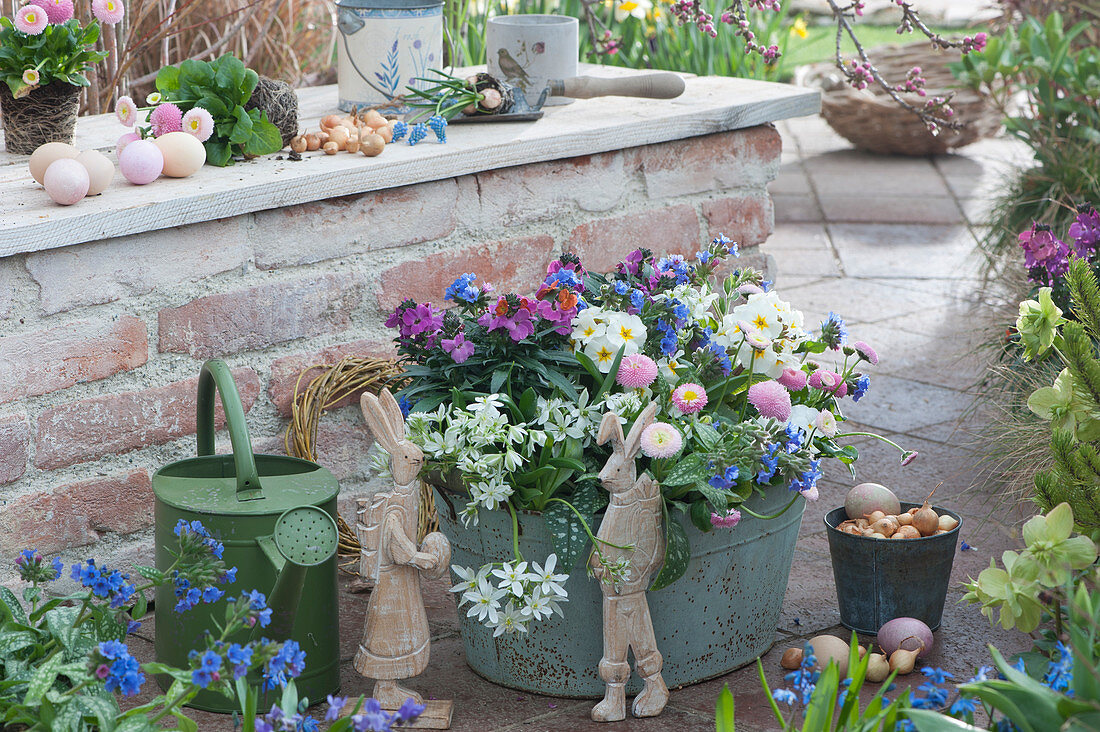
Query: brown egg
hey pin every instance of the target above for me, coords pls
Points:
(46, 154)
(183, 154)
(100, 170)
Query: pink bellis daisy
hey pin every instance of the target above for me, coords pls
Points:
(636, 371)
(829, 381)
(865, 352)
(771, 399)
(793, 379)
(31, 77)
(689, 398)
(731, 519)
(58, 11)
(31, 19)
(126, 111)
(661, 440)
(166, 118)
(108, 11)
(811, 493)
(198, 123)
(826, 422)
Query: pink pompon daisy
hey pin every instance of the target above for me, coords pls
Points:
(689, 398)
(31, 19)
(661, 440)
(636, 371)
(865, 352)
(58, 11)
(199, 123)
(166, 118)
(829, 381)
(731, 519)
(793, 379)
(771, 399)
(126, 111)
(108, 11)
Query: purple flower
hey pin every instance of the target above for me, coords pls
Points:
(539, 47)
(1044, 252)
(423, 318)
(1085, 232)
(518, 326)
(459, 348)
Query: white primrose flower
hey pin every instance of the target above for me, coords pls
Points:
(509, 621)
(602, 353)
(512, 577)
(590, 323)
(547, 581)
(671, 366)
(626, 329)
(485, 600)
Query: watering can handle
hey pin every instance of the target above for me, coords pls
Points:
(215, 373)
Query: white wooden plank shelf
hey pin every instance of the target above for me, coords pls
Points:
(29, 221)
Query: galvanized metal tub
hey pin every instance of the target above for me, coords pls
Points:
(878, 580)
(720, 615)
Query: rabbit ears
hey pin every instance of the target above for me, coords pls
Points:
(383, 415)
(610, 429)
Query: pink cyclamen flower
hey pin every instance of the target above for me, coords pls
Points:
(865, 352)
(661, 440)
(126, 111)
(731, 519)
(689, 398)
(771, 399)
(108, 11)
(829, 381)
(459, 348)
(31, 19)
(198, 123)
(166, 118)
(58, 11)
(636, 371)
(793, 379)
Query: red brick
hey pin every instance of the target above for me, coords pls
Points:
(117, 423)
(342, 446)
(747, 219)
(602, 244)
(78, 513)
(258, 317)
(48, 360)
(518, 265)
(286, 370)
(747, 158)
(14, 431)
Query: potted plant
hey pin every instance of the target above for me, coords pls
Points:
(44, 55)
(505, 399)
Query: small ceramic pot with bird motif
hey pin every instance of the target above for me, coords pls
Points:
(529, 50)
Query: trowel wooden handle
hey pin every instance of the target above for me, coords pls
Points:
(652, 86)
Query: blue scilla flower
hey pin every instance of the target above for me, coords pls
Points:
(288, 663)
(794, 438)
(418, 132)
(400, 129)
(964, 705)
(770, 463)
(405, 405)
(862, 384)
(784, 696)
(565, 277)
(937, 675)
(438, 123)
(621, 287)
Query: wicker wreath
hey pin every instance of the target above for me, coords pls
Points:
(332, 385)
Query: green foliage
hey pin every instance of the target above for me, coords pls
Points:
(222, 87)
(723, 711)
(63, 52)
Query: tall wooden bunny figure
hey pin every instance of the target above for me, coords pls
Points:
(633, 517)
(395, 641)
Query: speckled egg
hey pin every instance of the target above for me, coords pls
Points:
(66, 181)
(141, 162)
(183, 154)
(100, 170)
(124, 141)
(46, 154)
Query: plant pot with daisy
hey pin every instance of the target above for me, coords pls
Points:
(44, 55)
(505, 397)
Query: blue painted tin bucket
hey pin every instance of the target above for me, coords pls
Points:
(719, 616)
(878, 580)
(383, 46)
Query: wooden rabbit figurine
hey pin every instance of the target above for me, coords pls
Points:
(395, 637)
(633, 517)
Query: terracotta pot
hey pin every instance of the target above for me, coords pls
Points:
(47, 114)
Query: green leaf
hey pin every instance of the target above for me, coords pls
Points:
(700, 516)
(707, 435)
(42, 680)
(723, 712)
(499, 377)
(218, 153)
(60, 623)
(677, 554)
(186, 724)
(566, 532)
(265, 137)
(13, 607)
(689, 470)
(10, 642)
(141, 606)
(102, 707)
(150, 573)
(168, 79)
(242, 128)
(928, 721)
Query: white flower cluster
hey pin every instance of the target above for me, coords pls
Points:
(601, 333)
(509, 596)
(775, 331)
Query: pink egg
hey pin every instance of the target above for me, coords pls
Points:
(66, 181)
(141, 162)
(124, 141)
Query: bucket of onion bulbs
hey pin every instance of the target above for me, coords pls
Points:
(891, 558)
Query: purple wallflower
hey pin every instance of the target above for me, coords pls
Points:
(1044, 251)
(421, 319)
(518, 325)
(459, 348)
(1085, 232)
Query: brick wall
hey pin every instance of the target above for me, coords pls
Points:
(101, 343)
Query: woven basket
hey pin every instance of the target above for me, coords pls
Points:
(871, 120)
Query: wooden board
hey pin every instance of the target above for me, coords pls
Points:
(29, 221)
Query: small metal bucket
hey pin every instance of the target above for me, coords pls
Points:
(384, 45)
(878, 580)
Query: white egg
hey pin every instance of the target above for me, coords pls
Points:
(100, 170)
(46, 154)
(66, 181)
(183, 154)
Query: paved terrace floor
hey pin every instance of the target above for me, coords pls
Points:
(888, 244)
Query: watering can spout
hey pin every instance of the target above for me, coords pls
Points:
(304, 537)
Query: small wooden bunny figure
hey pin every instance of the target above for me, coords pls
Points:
(395, 641)
(633, 517)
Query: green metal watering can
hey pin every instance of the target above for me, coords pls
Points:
(276, 516)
